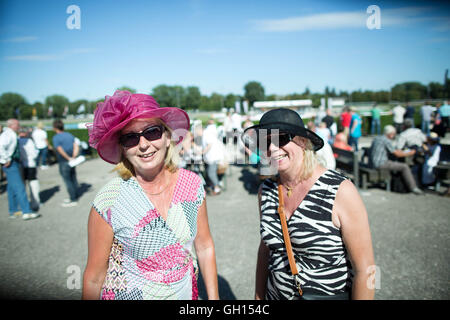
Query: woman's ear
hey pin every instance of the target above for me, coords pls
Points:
(168, 138)
(300, 141)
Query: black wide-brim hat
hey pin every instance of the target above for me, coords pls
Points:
(283, 120)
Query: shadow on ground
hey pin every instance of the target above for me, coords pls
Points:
(250, 180)
(225, 292)
(46, 194)
(83, 188)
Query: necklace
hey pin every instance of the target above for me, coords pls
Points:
(158, 193)
(161, 191)
(289, 190)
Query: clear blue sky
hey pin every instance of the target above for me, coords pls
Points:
(218, 46)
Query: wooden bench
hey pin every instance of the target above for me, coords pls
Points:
(347, 162)
(372, 175)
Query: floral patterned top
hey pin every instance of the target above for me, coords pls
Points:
(151, 258)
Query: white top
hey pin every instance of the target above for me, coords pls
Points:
(398, 113)
(40, 138)
(427, 169)
(214, 154)
(28, 152)
(326, 157)
(324, 133)
(411, 137)
(8, 142)
(227, 124)
(236, 121)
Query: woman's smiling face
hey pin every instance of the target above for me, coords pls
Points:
(147, 156)
(288, 157)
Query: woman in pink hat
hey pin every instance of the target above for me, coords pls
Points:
(148, 227)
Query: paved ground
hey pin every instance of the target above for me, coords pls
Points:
(45, 258)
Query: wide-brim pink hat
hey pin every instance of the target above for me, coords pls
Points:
(112, 115)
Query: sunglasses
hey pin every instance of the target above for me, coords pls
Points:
(132, 139)
(278, 140)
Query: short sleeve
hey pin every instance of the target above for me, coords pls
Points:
(201, 191)
(106, 198)
(55, 141)
(390, 147)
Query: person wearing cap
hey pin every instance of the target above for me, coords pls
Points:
(147, 227)
(327, 221)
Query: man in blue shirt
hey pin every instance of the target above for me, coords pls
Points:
(444, 110)
(426, 111)
(66, 149)
(355, 129)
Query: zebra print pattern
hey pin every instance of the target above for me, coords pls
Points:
(320, 254)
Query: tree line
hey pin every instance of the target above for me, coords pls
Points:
(14, 105)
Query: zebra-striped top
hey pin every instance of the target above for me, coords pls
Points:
(322, 260)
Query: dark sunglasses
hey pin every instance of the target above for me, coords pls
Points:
(278, 140)
(132, 139)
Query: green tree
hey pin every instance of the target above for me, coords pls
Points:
(58, 102)
(254, 91)
(179, 96)
(217, 101)
(40, 109)
(193, 98)
(205, 104)
(408, 91)
(230, 100)
(170, 96)
(73, 106)
(125, 88)
(436, 90)
(162, 95)
(12, 105)
(306, 93)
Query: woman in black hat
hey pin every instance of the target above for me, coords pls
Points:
(326, 219)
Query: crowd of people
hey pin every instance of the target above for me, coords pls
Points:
(399, 140)
(24, 153)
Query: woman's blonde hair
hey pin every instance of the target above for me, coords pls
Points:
(309, 159)
(126, 170)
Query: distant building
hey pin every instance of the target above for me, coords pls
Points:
(303, 107)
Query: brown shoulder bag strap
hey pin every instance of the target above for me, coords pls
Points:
(287, 239)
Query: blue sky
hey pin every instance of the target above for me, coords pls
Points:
(218, 46)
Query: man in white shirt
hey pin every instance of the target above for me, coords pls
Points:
(212, 154)
(228, 128)
(236, 124)
(398, 112)
(410, 138)
(40, 139)
(10, 160)
(426, 111)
